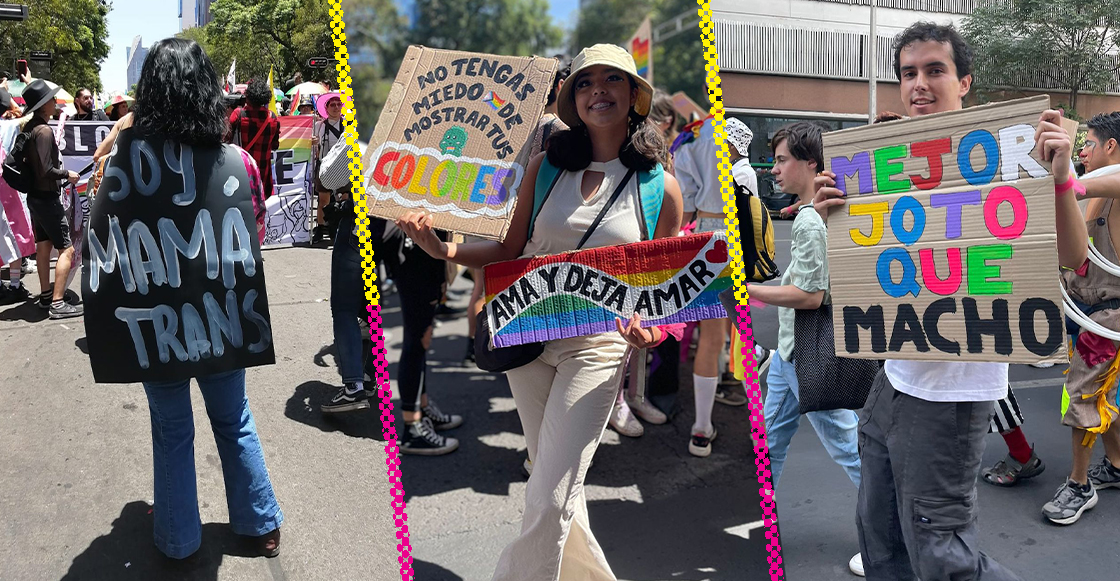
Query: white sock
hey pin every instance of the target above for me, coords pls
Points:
(358, 386)
(704, 392)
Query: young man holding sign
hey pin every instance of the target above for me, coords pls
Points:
(922, 430)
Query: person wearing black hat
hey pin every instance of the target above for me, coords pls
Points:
(48, 218)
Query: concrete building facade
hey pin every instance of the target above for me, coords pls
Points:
(134, 55)
(193, 13)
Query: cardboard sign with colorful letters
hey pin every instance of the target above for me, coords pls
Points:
(671, 280)
(454, 137)
(946, 247)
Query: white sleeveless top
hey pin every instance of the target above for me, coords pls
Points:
(565, 216)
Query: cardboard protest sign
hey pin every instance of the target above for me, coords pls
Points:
(454, 138)
(687, 108)
(671, 280)
(288, 211)
(946, 248)
(172, 281)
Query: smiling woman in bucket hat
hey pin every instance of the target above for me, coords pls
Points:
(602, 174)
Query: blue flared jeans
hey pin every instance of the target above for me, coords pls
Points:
(253, 510)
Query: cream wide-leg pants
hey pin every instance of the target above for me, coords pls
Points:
(564, 399)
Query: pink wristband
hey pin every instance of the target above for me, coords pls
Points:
(1070, 184)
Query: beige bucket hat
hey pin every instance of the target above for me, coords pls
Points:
(612, 56)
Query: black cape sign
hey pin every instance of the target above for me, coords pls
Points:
(172, 276)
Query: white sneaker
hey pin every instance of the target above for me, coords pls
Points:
(646, 410)
(700, 444)
(1042, 365)
(762, 358)
(856, 565)
(624, 422)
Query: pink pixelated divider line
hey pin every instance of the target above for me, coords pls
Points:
(761, 450)
(389, 430)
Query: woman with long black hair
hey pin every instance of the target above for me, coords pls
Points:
(179, 99)
(608, 166)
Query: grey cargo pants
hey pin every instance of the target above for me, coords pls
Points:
(916, 512)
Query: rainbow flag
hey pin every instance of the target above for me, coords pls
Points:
(495, 101)
(640, 49)
(639, 46)
(295, 134)
(672, 280)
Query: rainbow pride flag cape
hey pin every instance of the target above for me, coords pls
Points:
(671, 280)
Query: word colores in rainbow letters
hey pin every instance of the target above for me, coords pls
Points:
(474, 80)
(459, 179)
(971, 282)
(154, 266)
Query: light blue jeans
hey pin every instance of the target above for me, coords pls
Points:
(253, 510)
(837, 429)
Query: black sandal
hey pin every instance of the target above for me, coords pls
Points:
(1009, 471)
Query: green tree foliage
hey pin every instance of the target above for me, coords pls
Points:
(678, 62)
(253, 58)
(375, 43)
(280, 33)
(1066, 42)
(74, 31)
(507, 27)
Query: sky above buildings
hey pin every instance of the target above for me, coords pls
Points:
(158, 19)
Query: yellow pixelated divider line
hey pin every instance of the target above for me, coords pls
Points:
(758, 425)
(358, 193)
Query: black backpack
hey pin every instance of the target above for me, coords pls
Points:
(17, 172)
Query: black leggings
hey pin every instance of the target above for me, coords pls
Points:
(420, 284)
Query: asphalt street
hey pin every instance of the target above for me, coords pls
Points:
(76, 457)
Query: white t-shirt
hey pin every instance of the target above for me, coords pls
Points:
(948, 381)
(745, 176)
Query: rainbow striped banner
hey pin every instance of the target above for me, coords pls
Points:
(671, 280)
(295, 134)
(639, 46)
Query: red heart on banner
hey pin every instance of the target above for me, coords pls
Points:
(718, 254)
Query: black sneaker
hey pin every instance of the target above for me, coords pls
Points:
(346, 400)
(440, 420)
(1104, 475)
(469, 357)
(421, 438)
(1069, 502)
(11, 296)
(66, 311)
(444, 311)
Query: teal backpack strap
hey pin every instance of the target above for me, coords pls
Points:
(547, 175)
(651, 190)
